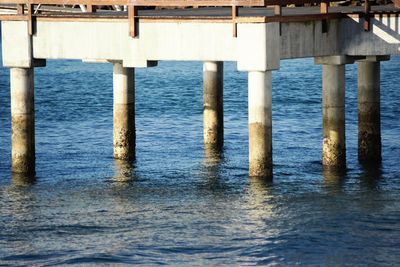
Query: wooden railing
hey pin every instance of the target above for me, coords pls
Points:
(134, 4)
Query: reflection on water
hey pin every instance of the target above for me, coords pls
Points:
(260, 194)
(333, 179)
(22, 179)
(370, 177)
(181, 203)
(123, 171)
(211, 163)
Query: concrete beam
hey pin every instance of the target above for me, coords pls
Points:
(333, 60)
(16, 44)
(374, 58)
(258, 47)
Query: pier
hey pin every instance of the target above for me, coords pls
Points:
(256, 34)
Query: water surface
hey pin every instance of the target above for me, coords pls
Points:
(180, 204)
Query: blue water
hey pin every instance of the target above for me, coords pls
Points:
(178, 204)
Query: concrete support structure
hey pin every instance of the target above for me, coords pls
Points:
(333, 115)
(260, 124)
(124, 135)
(213, 116)
(22, 120)
(369, 121)
(258, 48)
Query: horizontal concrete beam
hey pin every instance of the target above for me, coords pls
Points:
(333, 60)
(374, 58)
(258, 46)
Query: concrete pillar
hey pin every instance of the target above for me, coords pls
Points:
(213, 110)
(124, 135)
(333, 114)
(22, 120)
(369, 121)
(260, 124)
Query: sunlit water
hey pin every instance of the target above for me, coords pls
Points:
(181, 205)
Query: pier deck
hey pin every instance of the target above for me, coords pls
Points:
(205, 13)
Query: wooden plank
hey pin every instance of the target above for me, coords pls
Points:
(132, 14)
(91, 8)
(324, 10)
(30, 22)
(250, 20)
(150, 19)
(20, 9)
(81, 19)
(277, 10)
(13, 17)
(298, 18)
(324, 7)
(235, 13)
(367, 10)
(197, 2)
(183, 3)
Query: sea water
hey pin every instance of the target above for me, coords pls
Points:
(181, 204)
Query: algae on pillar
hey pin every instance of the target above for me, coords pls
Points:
(369, 121)
(22, 120)
(124, 136)
(260, 124)
(213, 117)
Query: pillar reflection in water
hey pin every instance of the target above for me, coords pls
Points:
(261, 207)
(123, 171)
(22, 201)
(260, 187)
(333, 179)
(23, 179)
(211, 164)
(370, 177)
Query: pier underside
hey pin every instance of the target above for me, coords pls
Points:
(257, 41)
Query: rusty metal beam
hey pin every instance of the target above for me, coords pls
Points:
(9, 17)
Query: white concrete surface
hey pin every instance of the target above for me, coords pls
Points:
(258, 46)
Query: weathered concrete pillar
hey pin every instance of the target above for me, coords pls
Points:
(333, 115)
(213, 110)
(369, 118)
(22, 120)
(124, 135)
(260, 124)
(333, 109)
